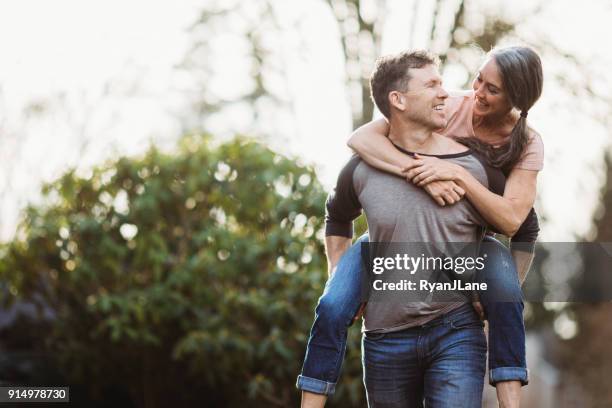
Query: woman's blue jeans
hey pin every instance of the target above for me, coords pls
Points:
(341, 299)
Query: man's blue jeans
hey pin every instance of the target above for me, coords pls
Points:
(441, 363)
(341, 298)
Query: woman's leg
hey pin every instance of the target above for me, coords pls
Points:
(503, 305)
(334, 314)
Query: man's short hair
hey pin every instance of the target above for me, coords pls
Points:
(391, 73)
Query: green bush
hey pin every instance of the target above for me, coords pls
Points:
(186, 278)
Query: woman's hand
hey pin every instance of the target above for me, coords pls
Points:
(426, 169)
(444, 192)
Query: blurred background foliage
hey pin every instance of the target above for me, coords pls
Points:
(175, 272)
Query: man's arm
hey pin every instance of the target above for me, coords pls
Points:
(341, 208)
(335, 246)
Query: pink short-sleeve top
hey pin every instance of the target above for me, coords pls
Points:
(459, 114)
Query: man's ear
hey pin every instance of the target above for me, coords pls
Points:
(397, 100)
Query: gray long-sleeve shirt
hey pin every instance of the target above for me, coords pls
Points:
(397, 211)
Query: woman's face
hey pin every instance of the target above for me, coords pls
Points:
(490, 96)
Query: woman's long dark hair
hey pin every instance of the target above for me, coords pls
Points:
(522, 79)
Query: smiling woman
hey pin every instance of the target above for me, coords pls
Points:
(507, 85)
(488, 83)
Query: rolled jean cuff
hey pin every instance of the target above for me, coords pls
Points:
(509, 374)
(316, 386)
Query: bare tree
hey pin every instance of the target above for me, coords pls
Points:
(76, 118)
(251, 31)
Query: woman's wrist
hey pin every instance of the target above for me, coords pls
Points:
(461, 177)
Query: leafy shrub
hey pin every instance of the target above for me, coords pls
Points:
(186, 278)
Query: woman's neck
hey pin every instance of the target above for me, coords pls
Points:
(498, 124)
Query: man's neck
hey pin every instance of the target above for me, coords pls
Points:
(413, 137)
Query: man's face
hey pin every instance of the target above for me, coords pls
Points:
(423, 103)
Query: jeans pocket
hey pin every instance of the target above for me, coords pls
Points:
(374, 336)
(467, 325)
(467, 322)
(470, 328)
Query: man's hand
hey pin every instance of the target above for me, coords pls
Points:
(444, 192)
(479, 309)
(360, 311)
